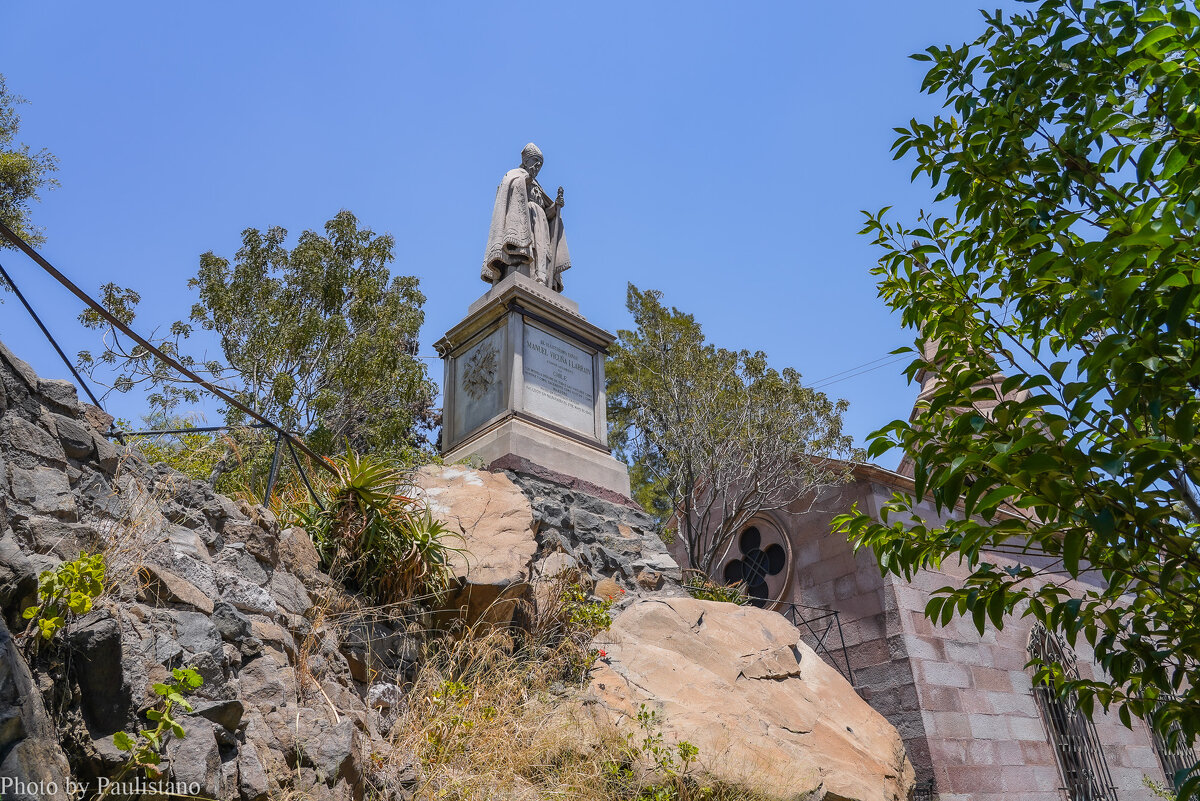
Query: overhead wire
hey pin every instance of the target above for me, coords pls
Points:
(856, 367)
(828, 383)
(105, 314)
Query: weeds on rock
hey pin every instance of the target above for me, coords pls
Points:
(651, 770)
(66, 591)
(146, 751)
(1158, 790)
(700, 586)
(584, 617)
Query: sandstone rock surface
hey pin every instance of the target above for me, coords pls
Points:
(495, 522)
(765, 711)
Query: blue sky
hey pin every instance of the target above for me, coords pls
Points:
(719, 153)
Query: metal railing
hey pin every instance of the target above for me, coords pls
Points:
(1081, 760)
(1174, 754)
(922, 792)
(281, 440)
(818, 624)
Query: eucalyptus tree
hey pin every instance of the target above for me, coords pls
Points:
(715, 436)
(320, 338)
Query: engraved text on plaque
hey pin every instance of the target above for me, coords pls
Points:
(558, 381)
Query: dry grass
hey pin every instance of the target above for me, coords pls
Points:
(133, 528)
(502, 714)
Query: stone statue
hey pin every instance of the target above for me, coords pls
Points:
(527, 231)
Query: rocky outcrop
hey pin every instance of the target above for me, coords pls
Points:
(605, 540)
(739, 684)
(518, 530)
(198, 581)
(495, 526)
(29, 748)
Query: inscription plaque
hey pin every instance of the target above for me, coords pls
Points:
(558, 381)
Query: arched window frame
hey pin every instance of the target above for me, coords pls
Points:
(1077, 750)
(1173, 754)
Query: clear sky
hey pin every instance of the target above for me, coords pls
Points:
(719, 152)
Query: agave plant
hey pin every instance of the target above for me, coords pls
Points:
(376, 539)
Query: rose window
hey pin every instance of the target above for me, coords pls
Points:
(757, 567)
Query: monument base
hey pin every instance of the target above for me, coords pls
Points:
(524, 388)
(521, 446)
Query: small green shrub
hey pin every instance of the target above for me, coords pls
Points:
(193, 454)
(1158, 790)
(701, 586)
(375, 539)
(146, 751)
(669, 764)
(68, 590)
(453, 720)
(584, 616)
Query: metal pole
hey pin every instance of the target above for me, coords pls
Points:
(274, 469)
(304, 476)
(845, 654)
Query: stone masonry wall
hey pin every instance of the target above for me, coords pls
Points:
(963, 702)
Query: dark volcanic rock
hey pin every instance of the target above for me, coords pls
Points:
(28, 741)
(96, 645)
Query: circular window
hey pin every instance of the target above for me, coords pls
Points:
(759, 562)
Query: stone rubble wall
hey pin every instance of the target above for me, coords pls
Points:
(201, 582)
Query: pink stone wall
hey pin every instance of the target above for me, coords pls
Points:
(985, 732)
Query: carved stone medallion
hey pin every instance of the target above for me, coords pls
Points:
(480, 371)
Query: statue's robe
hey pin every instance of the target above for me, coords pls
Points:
(523, 237)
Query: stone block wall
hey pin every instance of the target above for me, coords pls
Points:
(986, 736)
(963, 702)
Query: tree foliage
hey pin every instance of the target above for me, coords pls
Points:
(1064, 254)
(320, 339)
(23, 172)
(715, 436)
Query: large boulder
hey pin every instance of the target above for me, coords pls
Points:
(495, 521)
(765, 711)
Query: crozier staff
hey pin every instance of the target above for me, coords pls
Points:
(526, 234)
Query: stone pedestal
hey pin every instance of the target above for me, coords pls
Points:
(525, 386)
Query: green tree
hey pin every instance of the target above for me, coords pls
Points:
(715, 436)
(23, 172)
(320, 339)
(1064, 253)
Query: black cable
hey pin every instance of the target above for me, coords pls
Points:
(78, 378)
(193, 430)
(104, 313)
